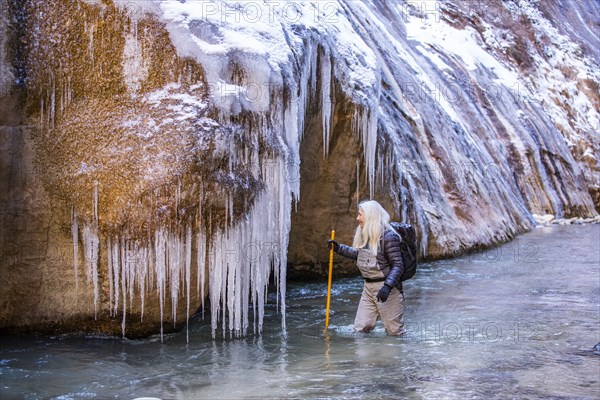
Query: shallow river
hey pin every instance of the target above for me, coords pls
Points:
(518, 321)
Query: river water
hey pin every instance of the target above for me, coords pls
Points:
(517, 321)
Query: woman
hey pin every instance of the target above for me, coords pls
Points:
(376, 249)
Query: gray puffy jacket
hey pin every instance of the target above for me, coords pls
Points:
(389, 257)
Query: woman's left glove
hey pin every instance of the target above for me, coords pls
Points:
(333, 245)
(383, 293)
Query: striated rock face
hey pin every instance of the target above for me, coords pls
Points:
(487, 113)
(157, 156)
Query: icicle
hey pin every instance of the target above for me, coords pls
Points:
(174, 266)
(131, 268)
(124, 282)
(380, 170)
(282, 248)
(214, 286)
(188, 268)
(223, 280)
(96, 245)
(110, 275)
(357, 182)
(151, 248)
(326, 100)
(116, 262)
(366, 126)
(95, 277)
(313, 69)
(305, 91)
(123, 321)
(201, 261)
(231, 265)
(293, 142)
(244, 284)
(272, 256)
(142, 272)
(159, 245)
(90, 241)
(202, 268)
(239, 277)
(74, 234)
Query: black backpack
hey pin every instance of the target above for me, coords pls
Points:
(408, 248)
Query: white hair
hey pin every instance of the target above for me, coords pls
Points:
(376, 221)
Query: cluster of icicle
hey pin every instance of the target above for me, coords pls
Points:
(164, 261)
(239, 260)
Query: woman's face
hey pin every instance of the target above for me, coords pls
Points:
(361, 218)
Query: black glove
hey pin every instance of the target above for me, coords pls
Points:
(333, 244)
(383, 293)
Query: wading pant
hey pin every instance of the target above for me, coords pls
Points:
(391, 312)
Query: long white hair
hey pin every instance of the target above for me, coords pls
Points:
(376, 221)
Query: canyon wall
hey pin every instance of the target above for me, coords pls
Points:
(161, 158)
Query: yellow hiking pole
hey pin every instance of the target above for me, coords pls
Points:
(329, 281)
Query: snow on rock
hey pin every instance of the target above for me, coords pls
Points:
(543, 219)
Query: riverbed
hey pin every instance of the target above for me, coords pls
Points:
(516, 321)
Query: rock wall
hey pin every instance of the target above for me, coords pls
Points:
(39, 293)
(67, 115)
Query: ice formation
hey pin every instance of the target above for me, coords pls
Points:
(443, 118)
